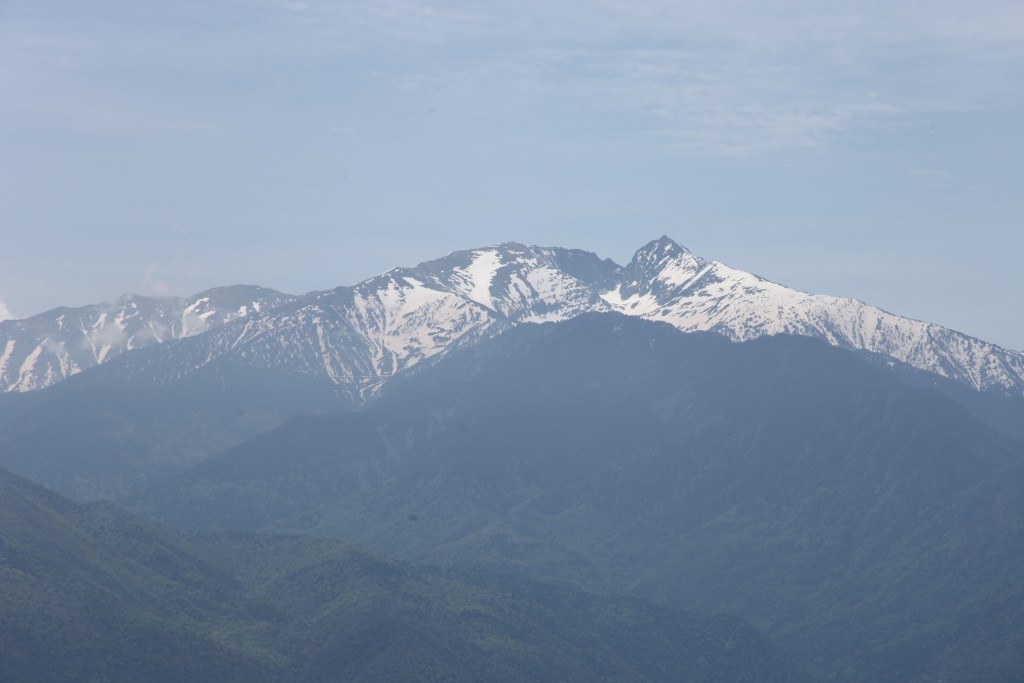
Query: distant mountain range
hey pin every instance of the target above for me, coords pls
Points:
(355, 338)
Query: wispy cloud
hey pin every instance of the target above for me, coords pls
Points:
(720, 105)
(712, 76)
(730, 78)
(5, 313)
(152, 283)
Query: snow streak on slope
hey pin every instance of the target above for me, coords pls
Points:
(353, 337)
(523, 284)
(46, 348)
(476, 279)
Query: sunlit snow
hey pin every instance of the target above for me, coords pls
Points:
(361, 335)
(479, 275)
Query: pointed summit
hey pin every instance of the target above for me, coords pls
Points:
(658, 268)
(662, 250)
(664, 243)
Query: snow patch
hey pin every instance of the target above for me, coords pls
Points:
(5, 358)
(479, 276)
(25, 372)
(678, 273)
(638, 304)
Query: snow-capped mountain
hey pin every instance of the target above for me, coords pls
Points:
(356, 337)
(664, 281)
(525, 284)
(46, 348)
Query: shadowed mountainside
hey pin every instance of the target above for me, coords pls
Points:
(871, 526)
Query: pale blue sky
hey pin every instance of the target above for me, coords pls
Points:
(873, 150)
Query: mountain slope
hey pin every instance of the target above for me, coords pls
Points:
(91, 438)
(86, 595)
(89, 593)
(42, 350)
(782, 480)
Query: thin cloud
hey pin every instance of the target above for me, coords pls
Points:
(726, 77)
(151, 282)
(735, 77)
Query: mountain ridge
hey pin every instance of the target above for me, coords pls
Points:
(357, 337)
(49, 347)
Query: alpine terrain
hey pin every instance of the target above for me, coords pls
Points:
(49, 347)
(355, 338)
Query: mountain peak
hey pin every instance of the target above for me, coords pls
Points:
(667, 241)
(515, 246)
(664, 251)
(661, 264)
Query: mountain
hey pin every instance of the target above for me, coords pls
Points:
(128, 423)
(47, 348)
(666, 282)
(355, 338)
(871, 527)
(140, 417)
(89, 593)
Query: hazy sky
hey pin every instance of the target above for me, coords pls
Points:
(870, 149)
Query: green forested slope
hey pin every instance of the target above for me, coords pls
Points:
(88, 593)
